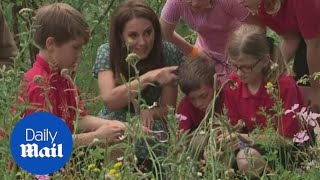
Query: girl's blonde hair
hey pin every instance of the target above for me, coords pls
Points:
(252, 40)
(273, 6)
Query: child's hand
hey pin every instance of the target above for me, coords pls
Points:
(234, 140)
(146, 118)
(111, 131)
(229, 140)
(226, 137)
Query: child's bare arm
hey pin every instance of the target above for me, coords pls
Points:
(96, 128)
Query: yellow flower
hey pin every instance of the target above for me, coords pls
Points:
(96, 170)
(91, 166)
(112, 172)
(117, 165)
(269, 85)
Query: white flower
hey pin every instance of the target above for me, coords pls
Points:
(274, 66)
(95, 140)
(122, 137)
(311, 164)
(65, 72)
(26, 12)
(199, 174)
(120, 158)
(132, 58)
(155, 104)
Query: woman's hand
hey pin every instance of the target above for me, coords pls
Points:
(164, 75)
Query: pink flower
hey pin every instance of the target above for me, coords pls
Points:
(234, 86)
(292, 110)
(181, 117)
(43, 177)
(312, 123)
(304, 115)
(309, 117)
(301, 137)
(312, 119)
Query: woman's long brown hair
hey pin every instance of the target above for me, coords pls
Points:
(127, 11)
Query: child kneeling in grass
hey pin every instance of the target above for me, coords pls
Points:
(196, 81)
(260, 78)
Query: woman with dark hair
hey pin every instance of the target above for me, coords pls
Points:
(135, 29)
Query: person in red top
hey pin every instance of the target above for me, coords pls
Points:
(245, 105)
(60, 32)
(260, 73)
(196, 79)
(188, 115)
(297, 22)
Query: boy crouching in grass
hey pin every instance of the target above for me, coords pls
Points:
(196, 80)
(60, 33)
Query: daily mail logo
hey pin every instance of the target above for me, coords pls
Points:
(41, 143)
(32, 150)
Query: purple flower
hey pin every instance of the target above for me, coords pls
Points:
(181, 117)
(301, 137)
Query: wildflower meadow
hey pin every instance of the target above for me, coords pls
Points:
(198, 155)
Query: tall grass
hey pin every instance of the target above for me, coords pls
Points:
(203, 158)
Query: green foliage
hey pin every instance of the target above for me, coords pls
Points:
(99, 160)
